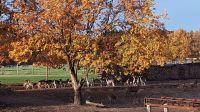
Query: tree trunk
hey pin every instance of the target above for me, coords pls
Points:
(87, 73)
(78, 97)
(77, 86)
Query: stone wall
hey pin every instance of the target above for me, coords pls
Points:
(174, 72)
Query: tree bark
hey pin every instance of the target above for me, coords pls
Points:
(77, 86)
(86, 73)
(78, 97)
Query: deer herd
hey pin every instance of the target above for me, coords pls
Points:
(104, 81)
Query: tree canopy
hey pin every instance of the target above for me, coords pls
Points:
(195, 44)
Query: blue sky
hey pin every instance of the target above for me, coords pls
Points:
(184, 14)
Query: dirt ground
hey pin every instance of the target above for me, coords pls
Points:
(117, 100)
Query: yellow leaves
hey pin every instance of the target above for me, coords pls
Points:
(153, 46)
(59, 33)
(84, 3)
(100, 63)
(88, 57)
(20, 55)
(146, 8)
(142, 48)
(179, 42)
(6, 33)
(195, 44)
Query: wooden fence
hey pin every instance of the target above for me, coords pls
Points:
(30, 70)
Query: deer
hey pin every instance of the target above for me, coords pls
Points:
(89, 82)
(110, 82)
(28, 84)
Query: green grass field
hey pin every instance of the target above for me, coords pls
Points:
(9, 75)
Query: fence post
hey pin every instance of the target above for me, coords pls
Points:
(165, 108)
(17, 69)
(148, 108)
(47, 72)
(32, 70)
(2, 70)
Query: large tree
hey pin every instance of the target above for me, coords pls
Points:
(54, 32)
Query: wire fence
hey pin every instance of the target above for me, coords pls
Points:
(30, 70)
(15, 74)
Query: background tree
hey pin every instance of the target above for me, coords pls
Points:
(179, 43)
(195, 44)
(138, 51)
(142, 43)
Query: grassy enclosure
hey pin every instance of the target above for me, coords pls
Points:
(18, 74)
